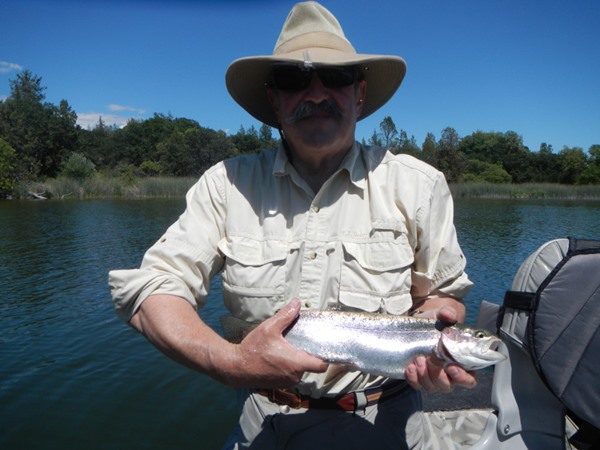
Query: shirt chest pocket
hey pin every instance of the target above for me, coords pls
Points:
(376, 275)
(254, 276)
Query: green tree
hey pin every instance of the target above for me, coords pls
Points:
(389, 134)
(78, 167)
(247, 141)
(517, 158)
(429, 149)
(573, 162)
(449, 159)
(22, 122)
(41, 134)
(545, 165)
(98, 144)
(7, 168)
(191, 152)
(504, 148)
(265, 137)
(483, 146)
(591, 174)
(375, 139)
(150, 168)
(408, 145)
(484, 172)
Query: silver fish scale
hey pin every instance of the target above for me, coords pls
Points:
(374, 343)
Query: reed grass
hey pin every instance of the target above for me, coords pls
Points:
(107, 187)
(526, 191)
(166, 187)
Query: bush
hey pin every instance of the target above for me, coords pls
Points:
(78, 167)
(150, 168)
(484, 172)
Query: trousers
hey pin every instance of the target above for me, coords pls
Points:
(396, 423)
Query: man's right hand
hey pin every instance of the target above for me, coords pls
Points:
(266, 359)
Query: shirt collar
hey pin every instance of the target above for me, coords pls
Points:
(353, 164)
(280, 167)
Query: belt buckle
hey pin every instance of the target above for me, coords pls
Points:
(285, 397)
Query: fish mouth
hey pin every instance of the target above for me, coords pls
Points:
(493, 345)
(472, 356)
(490, 350)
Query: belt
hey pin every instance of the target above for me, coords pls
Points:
(351, 401)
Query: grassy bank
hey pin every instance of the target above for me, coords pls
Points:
(161, 187)
(526, 191)
(107, 187)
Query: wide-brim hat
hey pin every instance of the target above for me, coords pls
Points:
(311, 35)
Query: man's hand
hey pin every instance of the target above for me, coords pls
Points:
(424, 373)
(263, 359)
(267, 360)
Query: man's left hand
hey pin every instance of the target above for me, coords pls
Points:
(424, 373)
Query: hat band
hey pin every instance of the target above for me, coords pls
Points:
(314, 40)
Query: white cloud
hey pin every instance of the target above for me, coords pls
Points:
(91, 119)
(113, 107)
(6, 67)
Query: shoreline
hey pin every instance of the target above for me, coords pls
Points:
(99, 187)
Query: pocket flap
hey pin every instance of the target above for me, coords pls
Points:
(253, 252)
(381, 256)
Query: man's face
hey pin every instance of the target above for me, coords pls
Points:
(318, 111)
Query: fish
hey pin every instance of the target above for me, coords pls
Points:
(381, 344)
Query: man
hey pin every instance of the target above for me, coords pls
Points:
(322, 221)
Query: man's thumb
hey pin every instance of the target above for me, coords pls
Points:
(286, 315)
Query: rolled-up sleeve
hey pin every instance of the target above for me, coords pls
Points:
(439, 262)
(184, 260)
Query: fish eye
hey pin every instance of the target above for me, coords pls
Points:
(480, 334)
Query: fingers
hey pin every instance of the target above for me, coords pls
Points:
(461, 377)
(271, 359)
(428, 376)
(424, 374)
(285, 316)
(447, 315)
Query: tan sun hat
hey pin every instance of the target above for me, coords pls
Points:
(312, 35)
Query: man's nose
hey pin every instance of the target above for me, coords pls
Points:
(316, 90)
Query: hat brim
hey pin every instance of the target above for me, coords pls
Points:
(246, 79)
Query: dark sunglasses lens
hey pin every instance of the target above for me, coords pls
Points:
(337, 77)
(294, 78)
(291, 78)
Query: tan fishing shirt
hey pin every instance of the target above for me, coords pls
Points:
(378, 236)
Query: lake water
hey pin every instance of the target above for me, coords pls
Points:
(72, 375)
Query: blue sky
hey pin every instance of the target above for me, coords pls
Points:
(529, 66)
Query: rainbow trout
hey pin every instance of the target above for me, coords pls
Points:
(381, 344)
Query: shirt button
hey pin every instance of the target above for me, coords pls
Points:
(312, 255)
(285, 409)
(307, 304)
(315, 208)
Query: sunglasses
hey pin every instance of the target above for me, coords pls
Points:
(294, 77)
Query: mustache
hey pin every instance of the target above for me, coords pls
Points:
(307, 109)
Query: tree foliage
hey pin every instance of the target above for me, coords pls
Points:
(40, 140)
(41, 133)
(591, 174)
(78, 167)
(7, 168)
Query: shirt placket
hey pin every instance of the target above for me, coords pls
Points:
(314, 257)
